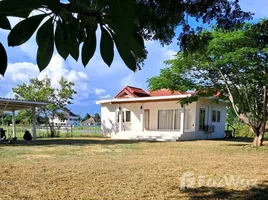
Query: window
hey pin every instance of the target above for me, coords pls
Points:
(177, 120)
(171, 119)
(202, 118)
(165, 119)
(216, 116)
(128, 116)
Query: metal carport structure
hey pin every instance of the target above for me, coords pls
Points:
(12, 105)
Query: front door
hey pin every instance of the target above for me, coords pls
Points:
(146, 118)
(202, 118)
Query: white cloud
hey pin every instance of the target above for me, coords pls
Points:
(21, 72)
(105, 96)
(99, 91)
(168, 53)
(18, 73)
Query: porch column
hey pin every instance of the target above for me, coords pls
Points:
(34, 123)
(182, 119)
(120, 119)
(141, 117)
(13, 124)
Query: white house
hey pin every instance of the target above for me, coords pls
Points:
(64, 119)
(136, 114)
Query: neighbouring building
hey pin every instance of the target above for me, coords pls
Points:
(64, 119)
(136, 114)
(91, 121)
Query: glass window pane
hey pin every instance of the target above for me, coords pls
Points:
(177, 120)
(128, 116)
(162, 119)
(165, 119)
(214, 113)
(218, 116)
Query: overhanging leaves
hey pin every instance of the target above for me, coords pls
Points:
(18, 8)
(3, 59)
(62, 40)
(24, 30)
(45, 41)
(4, 23)
(125, 52)
(89, 46)
(73, 44)
(106, 47)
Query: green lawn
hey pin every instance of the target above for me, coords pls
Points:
(84, 168)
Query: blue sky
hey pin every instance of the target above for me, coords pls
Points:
(96, 81)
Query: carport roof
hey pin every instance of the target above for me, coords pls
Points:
(15, 104)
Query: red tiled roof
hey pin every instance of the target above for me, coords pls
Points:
(166, 92)
(134, 92)
(163, 92)
(130, 91)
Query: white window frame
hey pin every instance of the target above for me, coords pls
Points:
(218, 116)
(173, 120)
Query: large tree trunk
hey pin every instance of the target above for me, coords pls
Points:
(258, 136)
(52, 130)
(258, 140)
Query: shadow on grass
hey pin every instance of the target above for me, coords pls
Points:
(73, 141)
(260, 192)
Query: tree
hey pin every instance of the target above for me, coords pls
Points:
(24, 116)
(6, 118)
(42, 90)
(87, 116)
(233, 63)
(125, 23)
(97, 116)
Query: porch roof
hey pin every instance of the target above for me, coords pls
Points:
(145, 99)
(14, 104)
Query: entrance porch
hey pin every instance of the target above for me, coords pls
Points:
(159, 121)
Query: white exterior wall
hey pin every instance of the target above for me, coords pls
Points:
(109, 123)
(110, 126)
(209, 106)
(169, 105)
(135, 124)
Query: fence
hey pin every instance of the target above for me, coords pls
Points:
(61, 131)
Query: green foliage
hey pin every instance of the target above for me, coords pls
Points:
(127, 23)
(41, 90)
(24, 116)
(242, 131)
(233, 63)
(24, 30)
(87, 116)
(3, 60)
(231, 117)
(4, 23)
(6, 118)
(106, 47)
(97, 116)
(45, 41)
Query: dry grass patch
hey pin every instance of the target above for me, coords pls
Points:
(107, 169)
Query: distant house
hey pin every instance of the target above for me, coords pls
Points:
(88, 122)
(136, 114)
(64, 119)
(91, 121)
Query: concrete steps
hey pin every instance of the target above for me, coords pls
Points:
(150, 136)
